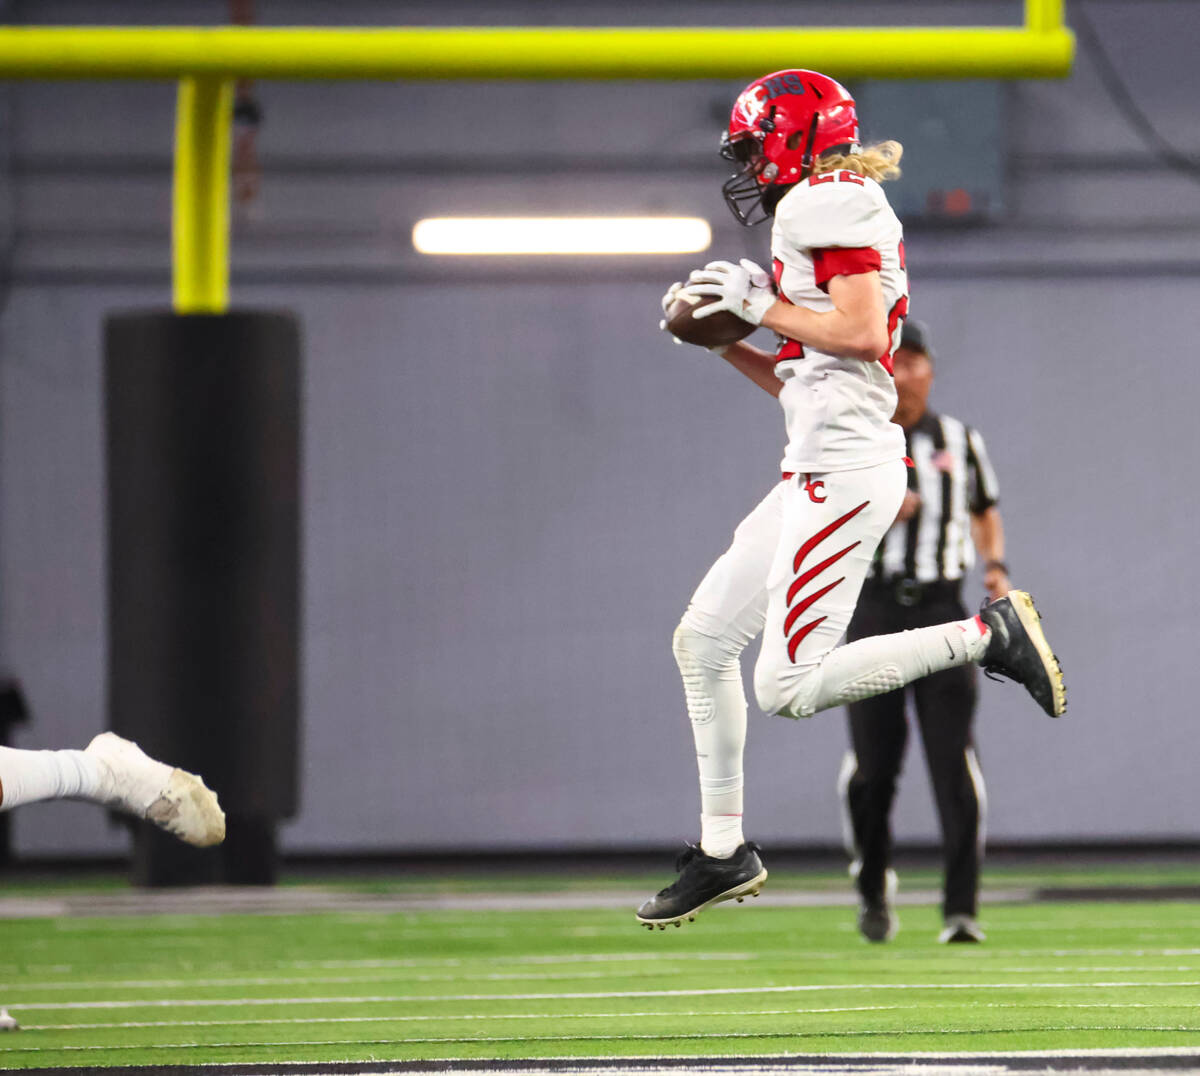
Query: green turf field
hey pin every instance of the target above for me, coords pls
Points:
(744, 979)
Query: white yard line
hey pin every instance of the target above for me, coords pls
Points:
(382, 964)
(251, 900)
(655, 1015)
(486, 1039)
(1004, 954)
(149, 1003)
(1081, 969)
(558, 958)
(666, 969)
(1155, 926)
(343, 980)
(467, 1016)
(867, 956)
(756, 1063)
(442, 962)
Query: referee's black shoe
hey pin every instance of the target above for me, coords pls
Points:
(877, 922)
(1019, 651)
(704, 880)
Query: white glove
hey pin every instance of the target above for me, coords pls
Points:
(744, 289)
(672, 293)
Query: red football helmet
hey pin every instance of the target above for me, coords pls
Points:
(780, 124)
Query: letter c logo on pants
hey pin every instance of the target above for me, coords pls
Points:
(812, 489)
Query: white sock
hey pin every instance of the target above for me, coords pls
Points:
(34, 776)
(716, 703)
(976, 636)
(882, 663)
(720, 815)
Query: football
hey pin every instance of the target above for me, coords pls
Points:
(716, 330)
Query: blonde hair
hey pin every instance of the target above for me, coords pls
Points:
(878, 161)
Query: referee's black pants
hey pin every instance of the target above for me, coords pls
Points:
(945, 709)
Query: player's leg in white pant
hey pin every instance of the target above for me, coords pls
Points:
(831, 527)
(113, 772)
(34, 776)
(724, 615)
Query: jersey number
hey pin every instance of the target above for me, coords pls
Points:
(844, 176)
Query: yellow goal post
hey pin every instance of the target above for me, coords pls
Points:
(206, 60)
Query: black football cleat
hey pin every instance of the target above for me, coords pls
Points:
(1018, 650)
(704, 880)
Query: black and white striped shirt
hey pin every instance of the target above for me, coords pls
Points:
(954, 477)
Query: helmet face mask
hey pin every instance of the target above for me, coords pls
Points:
(780, 125)
(744, 190)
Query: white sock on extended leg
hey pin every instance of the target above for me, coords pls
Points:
(882, 663)
(35, 776)
(716, 703)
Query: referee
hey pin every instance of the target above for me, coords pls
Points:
(948, 513)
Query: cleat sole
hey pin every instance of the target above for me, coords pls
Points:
(189, 810)
(1031, 620)
(753, 886)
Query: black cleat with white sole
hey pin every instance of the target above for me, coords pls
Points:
(704, 880)
(1018, 650)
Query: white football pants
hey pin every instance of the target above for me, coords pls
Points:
(794, 572)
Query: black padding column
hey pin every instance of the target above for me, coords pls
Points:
(203, 438)
(13, 711)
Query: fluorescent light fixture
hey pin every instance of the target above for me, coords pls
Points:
(562, 235)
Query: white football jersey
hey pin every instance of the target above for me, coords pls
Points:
(838, 411)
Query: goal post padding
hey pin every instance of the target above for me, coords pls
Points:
(203, 471)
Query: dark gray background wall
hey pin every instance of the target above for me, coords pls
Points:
(513, 481)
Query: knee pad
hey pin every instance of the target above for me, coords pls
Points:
(704, 662)
(869, 684)
(711, 651)
(789, 692)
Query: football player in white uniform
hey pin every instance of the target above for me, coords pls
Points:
(837, 300)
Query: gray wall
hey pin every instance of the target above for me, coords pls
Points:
(513, 481)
